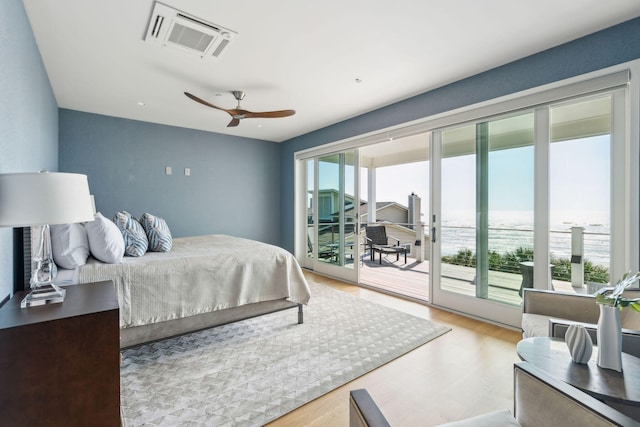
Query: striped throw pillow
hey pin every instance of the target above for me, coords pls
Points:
(135, 238)
(158, 233)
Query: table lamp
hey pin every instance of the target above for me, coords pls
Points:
(42, 199)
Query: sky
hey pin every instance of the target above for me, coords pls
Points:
(396, 183)
(579, 179)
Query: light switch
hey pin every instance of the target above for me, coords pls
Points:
(167, 170)
(187, 171)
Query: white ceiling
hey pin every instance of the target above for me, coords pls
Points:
(292, 54)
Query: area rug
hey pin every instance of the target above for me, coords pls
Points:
(254, 371)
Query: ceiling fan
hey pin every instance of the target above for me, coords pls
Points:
(238, 113)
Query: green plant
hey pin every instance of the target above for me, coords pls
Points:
(612, 296)
(509, 262)
(464, 257)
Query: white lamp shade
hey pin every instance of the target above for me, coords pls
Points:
(28, 199)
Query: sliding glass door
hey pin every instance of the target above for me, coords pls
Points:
(537, 189)
(528, 200)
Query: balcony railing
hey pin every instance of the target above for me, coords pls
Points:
(510, 246)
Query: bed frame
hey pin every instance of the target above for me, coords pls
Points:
(156, 331)
(146, 333)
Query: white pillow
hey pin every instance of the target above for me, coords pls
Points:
(70, 245)
(105, 240)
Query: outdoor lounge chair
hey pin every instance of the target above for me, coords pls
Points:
(323, 253)
(377, 241)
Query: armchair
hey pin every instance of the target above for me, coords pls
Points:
(549, 313)
(539, 400)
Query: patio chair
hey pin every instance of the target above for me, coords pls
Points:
(323, 253)
(377, 241)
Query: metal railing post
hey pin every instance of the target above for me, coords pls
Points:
(577, 257)
(419, 243)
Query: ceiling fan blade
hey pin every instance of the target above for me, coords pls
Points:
(203, 102)
(269, 114)
(237, 113)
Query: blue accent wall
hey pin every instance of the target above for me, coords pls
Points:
(233, 187)
(28, 114)
(608, 47)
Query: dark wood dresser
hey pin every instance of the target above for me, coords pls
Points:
(60, 363)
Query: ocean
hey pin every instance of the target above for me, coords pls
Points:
(510, 230)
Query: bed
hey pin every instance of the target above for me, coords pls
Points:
(201, 282)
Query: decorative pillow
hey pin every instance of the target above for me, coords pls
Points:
(70, 245)
(135, 238)
(158, 233)
(105, 240)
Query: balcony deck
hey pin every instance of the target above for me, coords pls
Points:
(411, 280)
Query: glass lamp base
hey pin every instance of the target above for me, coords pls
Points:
(47, 293)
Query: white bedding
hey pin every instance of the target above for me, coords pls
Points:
(200, 274)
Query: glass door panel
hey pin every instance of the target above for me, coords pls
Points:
(310, 212)
(457, 238)
(336, 230)
(486, 211)
(508, 207)
(580, 192)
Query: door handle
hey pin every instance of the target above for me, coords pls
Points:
(433, 234)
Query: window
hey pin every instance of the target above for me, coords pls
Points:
(549, 175)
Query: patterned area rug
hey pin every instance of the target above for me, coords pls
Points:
(251, 372)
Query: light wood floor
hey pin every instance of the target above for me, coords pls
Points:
(466, 372)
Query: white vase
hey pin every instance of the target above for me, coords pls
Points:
(579, 343)
(609, 336)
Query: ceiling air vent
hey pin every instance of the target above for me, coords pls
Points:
(172, 27)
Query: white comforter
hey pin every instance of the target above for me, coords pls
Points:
(199, 275)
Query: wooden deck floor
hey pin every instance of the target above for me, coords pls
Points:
(408, 280)
(411, 280)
